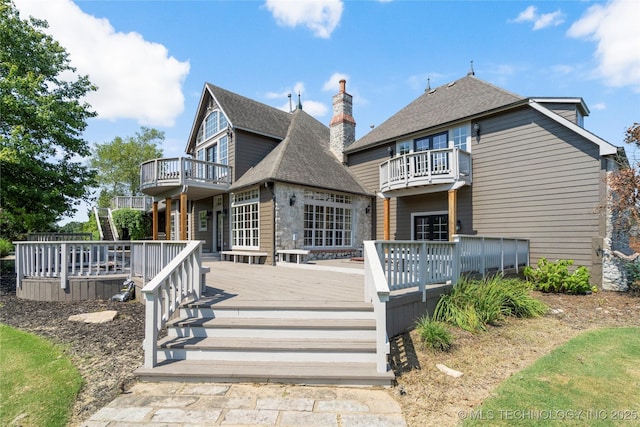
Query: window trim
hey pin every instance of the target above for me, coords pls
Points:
(315, 201)
(202, 216)
(250, 198)
(427, 213)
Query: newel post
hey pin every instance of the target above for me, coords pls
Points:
(151, 330)
(64, 267)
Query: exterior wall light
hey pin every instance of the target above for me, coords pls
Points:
(458, 226)
(476, 129)
(368, 209)
(292, 200)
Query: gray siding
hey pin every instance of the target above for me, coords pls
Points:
(365, 166)
(535, 179)
(207, 235)
(568, 111)
(248, 151)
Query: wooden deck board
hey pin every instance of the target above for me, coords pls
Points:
(266, 284)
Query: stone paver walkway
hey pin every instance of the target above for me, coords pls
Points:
(204, 404)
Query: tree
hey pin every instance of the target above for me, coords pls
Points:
(41, 123)
(625, 186)
(118, 162)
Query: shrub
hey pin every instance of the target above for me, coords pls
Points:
(434, 334)
(136, 222)
(6, 247)
(474, 304)
(555, 277)
(633, 277)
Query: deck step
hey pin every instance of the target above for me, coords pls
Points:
(272, 328)
(291, 309)
(348, 374)
(265, 350)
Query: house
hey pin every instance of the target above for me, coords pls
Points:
(259, 180)
(471, 158)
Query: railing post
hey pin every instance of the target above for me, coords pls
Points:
(422, 269)
(64, 256)
(151, 330)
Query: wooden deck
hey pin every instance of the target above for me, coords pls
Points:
(244, 284)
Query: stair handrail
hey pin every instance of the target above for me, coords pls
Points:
(97, 215)
(114, 229)
(376, 291)
(178, 281)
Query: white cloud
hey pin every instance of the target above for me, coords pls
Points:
(314, 108)
(319, 16)
(136, 79)
(599, 106)
(333, 83)
(540, 21)
(615, 29)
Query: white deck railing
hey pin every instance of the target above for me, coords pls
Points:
(408, 264)
(140, 203)
(178, 281)
(63, 260)
(376, 291)
(425, 167)
(183, 171)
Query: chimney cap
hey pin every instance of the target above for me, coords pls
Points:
(343, 85)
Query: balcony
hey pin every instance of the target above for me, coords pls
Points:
(139, 203)
(199, 179)
(426, 168)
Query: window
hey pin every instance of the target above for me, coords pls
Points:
(460, 137)
(211, 126)
(245, 223)
(431, 227)
(202, 220)
(328, 219)
(403, 147)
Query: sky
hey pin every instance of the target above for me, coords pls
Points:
(151, 59)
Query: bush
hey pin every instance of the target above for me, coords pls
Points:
(134, 221)
(434, 334)
(474, 304)
(6, 247)
(555, 277)
(633, 277)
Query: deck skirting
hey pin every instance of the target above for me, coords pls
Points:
(78, 288)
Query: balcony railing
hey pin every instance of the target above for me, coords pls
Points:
(183, 171)
(139, 203)
(443, 166)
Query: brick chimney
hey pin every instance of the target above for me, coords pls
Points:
(343, 126)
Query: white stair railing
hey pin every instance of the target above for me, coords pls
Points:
(376, 291)
(180, 280)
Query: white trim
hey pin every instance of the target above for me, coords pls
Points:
(605, 147)
(570, 100)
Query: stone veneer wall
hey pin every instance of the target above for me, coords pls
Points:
(290, 222)
(614, 274)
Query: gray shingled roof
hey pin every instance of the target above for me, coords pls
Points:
(245, 113)
(304, 158)
(463, 98)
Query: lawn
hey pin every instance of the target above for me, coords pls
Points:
(594, 380)
(38, 383)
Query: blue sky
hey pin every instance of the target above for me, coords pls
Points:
(151, 59)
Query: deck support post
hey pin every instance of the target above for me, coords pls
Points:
(154, 216)
(453, 213)
(167, 218)
(387, 219)
(183, 216)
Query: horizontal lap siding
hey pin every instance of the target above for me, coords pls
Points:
(266, 224)
(207, 235)
(534, 178)
(249, 150)
(366, 167)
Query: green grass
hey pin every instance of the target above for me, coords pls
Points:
(433, 334)
(38, 383)
(594, 380)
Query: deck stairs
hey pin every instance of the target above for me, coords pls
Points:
(213, 340)
(105, 226)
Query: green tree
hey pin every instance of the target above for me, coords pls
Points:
(42, 119)
(625, 186)
(118, 162)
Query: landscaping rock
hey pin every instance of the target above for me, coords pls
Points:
(97, 317)
(451, 372)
